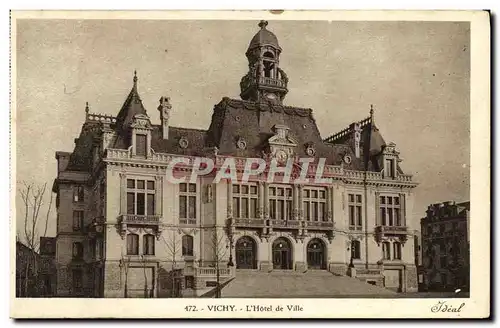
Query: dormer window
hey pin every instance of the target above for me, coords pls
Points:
(141, 145)
(141, 135)
(390, 158)
(389, 166)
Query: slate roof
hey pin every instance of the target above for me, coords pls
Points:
(263, 37)
(232, 120)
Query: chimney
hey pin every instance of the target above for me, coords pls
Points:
(357, 140)
(62, 160)
(164, 109)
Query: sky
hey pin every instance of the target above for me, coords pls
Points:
(416, 75)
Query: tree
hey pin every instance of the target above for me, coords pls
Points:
(125, 264)
(174, 249)
(219, 248)
(35, 226)
(147, 294)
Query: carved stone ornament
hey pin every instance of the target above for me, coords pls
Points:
(183, 143)
(347, 159)
(141, 121)
(310, 151)
(241, 143)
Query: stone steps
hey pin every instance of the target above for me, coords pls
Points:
(296, 284)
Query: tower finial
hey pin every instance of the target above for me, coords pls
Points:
(87, 107)
(263, 24)
(372, 114)
(135, 77)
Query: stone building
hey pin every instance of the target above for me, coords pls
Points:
(445, 247)
(126, 230)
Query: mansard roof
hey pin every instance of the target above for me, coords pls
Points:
(235, 120)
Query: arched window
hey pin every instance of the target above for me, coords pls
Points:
(397, 251)
(132, 244)
(187, 245)
(148, 245)
(269, 54)
(356, 249)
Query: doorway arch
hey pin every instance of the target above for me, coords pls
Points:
(246, 253)
(282, 254)
(316, 254)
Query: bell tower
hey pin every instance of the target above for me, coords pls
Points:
(265, 80)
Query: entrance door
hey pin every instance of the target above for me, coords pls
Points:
(393, 279)
(316, 255)
(246, 253)
(282, 254)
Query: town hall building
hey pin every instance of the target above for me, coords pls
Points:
(125, 230)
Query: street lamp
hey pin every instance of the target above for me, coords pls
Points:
(230, 237)
(351, 263)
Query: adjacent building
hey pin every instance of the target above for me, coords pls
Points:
(35, 271)
(445, 247)
(126, 230)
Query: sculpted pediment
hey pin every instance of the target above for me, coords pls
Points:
(281, 137)
(281, 145)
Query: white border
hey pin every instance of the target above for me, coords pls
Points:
(476, 307)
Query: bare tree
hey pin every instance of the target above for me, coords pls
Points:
(174, 248)
(219, 248)
(147, 294)
(35, 226)
(125, 264)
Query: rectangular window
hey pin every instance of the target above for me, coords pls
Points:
(77, 250)
(272, 209)
(141, 209)
(132, 244)
(390, 211)
(77, 220)
(236, 207)
(355, 211)
(187, 203)
(397, 251)
(279, 196)
(78, 194)
(389, 166)
(187, 245)
(253, 208)
(386, 250)
(314, 200)
(140, 200)
(141, 145)
(244, 208)
(289, 210)
(151, 203)
(245, 201)
(307, 210)
(192, 207)
(149, 245)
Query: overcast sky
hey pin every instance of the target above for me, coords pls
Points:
(416, 74)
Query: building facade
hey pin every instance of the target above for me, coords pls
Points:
(445, 247)
(126, 229)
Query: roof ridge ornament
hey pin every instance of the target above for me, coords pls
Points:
(263, 24)
(135, 79)
(372, 114)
